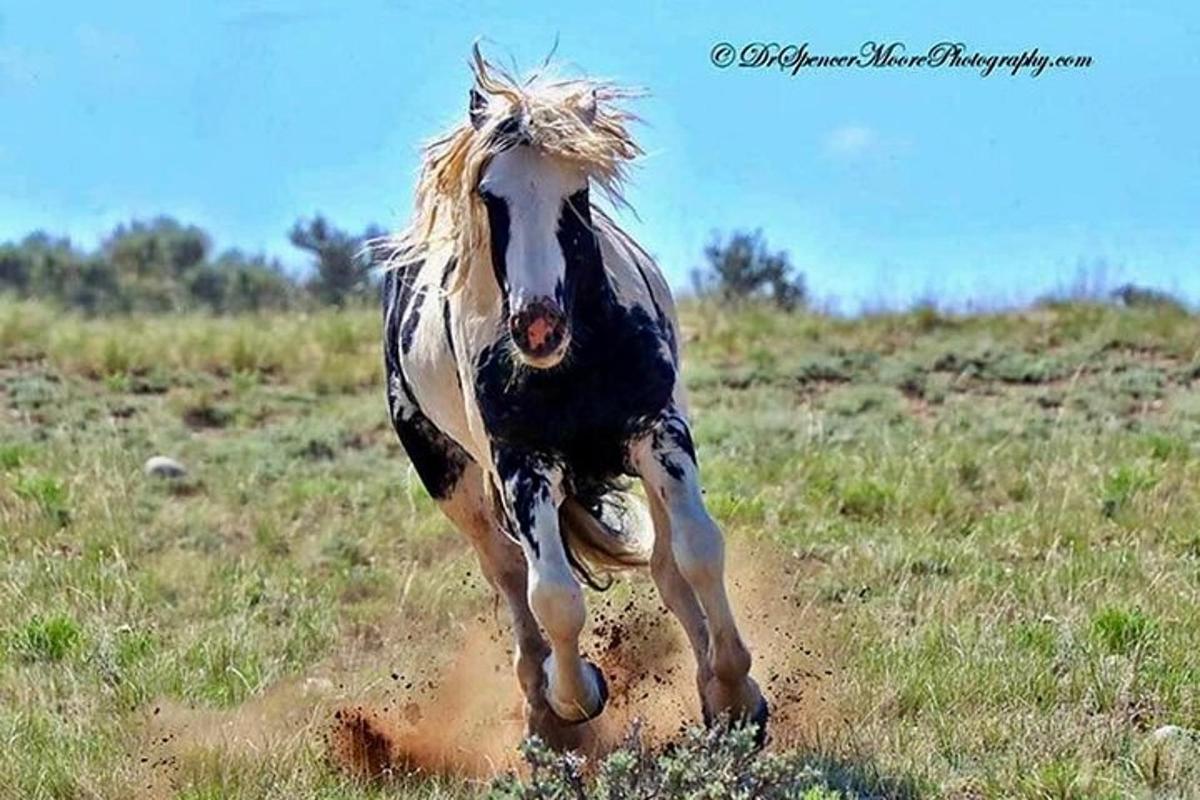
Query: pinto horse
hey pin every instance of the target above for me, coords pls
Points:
(532, 358)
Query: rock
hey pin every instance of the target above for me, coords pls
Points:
(164, 467)
(1172, 733)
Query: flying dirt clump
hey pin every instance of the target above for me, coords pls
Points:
(467, 722)
(365, 744)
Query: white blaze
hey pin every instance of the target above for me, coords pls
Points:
(534, 186)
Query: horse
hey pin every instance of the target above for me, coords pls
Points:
(532, 363)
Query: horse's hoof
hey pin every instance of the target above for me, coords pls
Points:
(541, 721)
(574, 713)
(759, 718)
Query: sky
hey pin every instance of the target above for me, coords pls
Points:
(886, 185)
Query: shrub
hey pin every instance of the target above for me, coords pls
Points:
(866, 499)
(743, 269)
(715, 763)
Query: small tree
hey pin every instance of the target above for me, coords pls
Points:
(742, 268)
(154, 261)
(341, 269)
(255, 283)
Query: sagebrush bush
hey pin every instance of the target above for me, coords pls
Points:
(704, 765)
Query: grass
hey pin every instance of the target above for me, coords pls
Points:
(986, 530)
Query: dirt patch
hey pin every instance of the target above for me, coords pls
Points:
(205, 416)
(469, 722)
(465, 720)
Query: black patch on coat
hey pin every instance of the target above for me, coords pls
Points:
(614, 382)
(394, 292)
(671, 438)
(663, 322)
(527, 487)
(447, 329)
(523, 476)
(412, 318)
(438, 459)
(498, 234)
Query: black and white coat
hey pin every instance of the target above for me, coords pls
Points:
(522, 391)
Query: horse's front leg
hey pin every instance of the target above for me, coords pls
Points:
(532, 489)
(665, 459)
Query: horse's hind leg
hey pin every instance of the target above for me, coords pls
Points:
(665, 460)
(532, 492)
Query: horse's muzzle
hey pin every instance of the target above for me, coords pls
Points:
(539, 330)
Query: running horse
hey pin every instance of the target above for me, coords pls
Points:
(532, 360)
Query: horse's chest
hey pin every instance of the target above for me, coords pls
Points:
(615, 380)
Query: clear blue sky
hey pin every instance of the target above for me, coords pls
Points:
(884, 185)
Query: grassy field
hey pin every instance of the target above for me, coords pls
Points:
(967, 550)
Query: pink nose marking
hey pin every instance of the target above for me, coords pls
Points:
(539, 331)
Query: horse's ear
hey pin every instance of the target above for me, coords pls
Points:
(478, 108)
(587, 107)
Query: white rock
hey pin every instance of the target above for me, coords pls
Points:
(164, 467)
(1170, 732)
(317, 685)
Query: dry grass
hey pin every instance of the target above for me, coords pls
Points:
(981, 533)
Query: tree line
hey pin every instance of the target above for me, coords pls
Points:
(163, 265)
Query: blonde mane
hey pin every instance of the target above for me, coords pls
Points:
(575, 119)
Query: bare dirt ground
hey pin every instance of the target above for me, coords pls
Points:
(465, 720)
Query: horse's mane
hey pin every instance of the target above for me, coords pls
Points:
(579, 120)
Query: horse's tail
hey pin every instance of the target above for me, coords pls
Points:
(612, 534)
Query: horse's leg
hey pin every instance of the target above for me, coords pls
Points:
(503, 565)
(666, 461)
(676, 592)
(532, 491)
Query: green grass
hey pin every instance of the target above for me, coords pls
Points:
(982, 533)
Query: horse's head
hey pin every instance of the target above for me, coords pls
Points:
(514, 181)
(540, 231)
